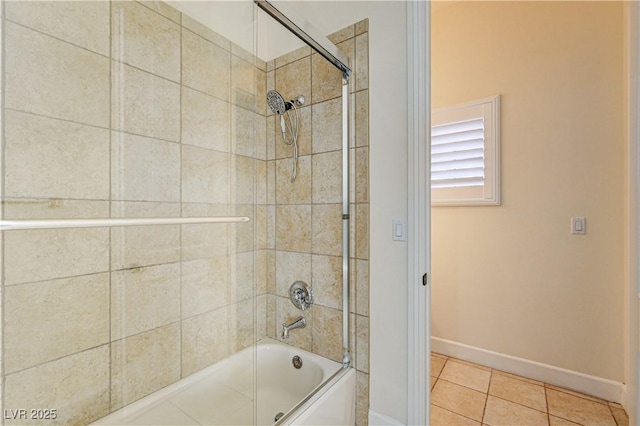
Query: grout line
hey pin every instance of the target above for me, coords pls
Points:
(486, 398)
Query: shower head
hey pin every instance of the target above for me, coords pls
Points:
(276, 102)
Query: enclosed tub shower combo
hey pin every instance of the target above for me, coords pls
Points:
(184, 226)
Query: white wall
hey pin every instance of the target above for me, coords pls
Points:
(512, 279)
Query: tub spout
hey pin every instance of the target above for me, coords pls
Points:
(300, 322)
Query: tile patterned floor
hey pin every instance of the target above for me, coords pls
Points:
(463, 393)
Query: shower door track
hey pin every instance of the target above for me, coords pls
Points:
(13, 225)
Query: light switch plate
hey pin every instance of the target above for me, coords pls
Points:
(399, 230)
(579, 225)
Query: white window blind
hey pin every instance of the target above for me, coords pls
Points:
(457, 154)
(464, 154)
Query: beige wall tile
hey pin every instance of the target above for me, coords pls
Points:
(37, 255)
(271, 316)
(271, 136)
(298, 191)
(261, 259)
(85, 24)
(244, 90)
(144, 298)
(286, 313)
(163, 9)
(205, 66)
(144, 363)
(48, 158)
(341, 35)
(291, 267)
(241, 325)
(261, 82)
(327, 332)
(261, 182)
(260, 139)
(145, 104)
(293, 228)
(144, 169)
(362, 231)
(136, 246)
(204, 285)
(130, 209)
(362, 343)
(271, 182)
(241, 276)
(206, 32)
(362, 287)
(304, 134)
(362, 26)
(362, 399)
(205, 176)
(205, 340)
(49, 77)
(292, 56)
(77, 386)
(362, 175)
(53, 319)
(204, 240)
(327, 280)
(242, 235)
(242, 179)
(31, 208)
(145, 39)
(327, 229)
(261, 317)
(327, 79)
(243, 127)
(362, 118)
(327, 131)
(260, 222)
(327, 177)
(206, 121)
(271, 272)
(294, 79)
(362, 61)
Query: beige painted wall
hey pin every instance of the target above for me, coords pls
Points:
(512, 279)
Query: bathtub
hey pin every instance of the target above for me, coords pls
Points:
(320, 392)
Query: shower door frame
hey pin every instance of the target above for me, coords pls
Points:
(323, 46)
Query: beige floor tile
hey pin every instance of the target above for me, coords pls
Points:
(466, 375)
(557, 421)
(471, 364)
(574, 393)
(514, 376)
(442, 417)
(433, 381)
(437, 364)
(578, 409)
(458, 399)
(620, 415)
(514, 390)
(500, 412)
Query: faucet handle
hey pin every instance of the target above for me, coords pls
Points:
(301, 295)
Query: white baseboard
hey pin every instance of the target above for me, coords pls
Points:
(584, 383)
(378, 419)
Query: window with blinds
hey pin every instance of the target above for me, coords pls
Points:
(464, 154)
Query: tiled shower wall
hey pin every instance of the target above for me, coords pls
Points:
(124, 109)
(303, 218)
